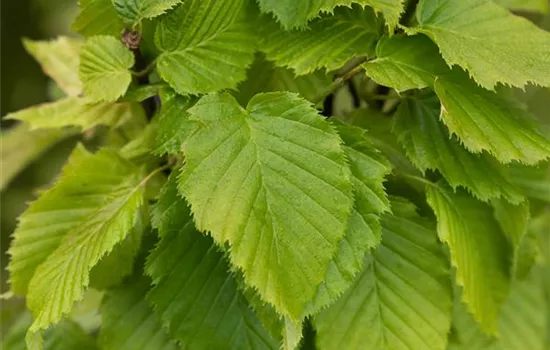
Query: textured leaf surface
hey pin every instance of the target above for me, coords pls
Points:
(482, 120)
(129, 323)
(402, 299)
(429, 146)
(329, 43)
(92, 208)
(368, 170)
(488, 41)
(534, 181)
(293, 14)
(194, 293)
(133, 11)
(97, 17)
(527, 5)
(104, 68)
(479, 252)
(59, 59)
(206, 45)
(286, 193)
(77, 111)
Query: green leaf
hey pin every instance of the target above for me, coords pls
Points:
(104, 68)
(173, 122)
(293, 14)
(19, 147)
(59, 59)
(206, 45)
(77, 111)
(67, 335)
(478, 252)
(368, 170)
(533, 180)
(129, 323)
(292, 334)
(329, 43)
(525, 5)
(97, 17)
(194, 294)
(488, 41)
(65, 233)
(286, 193)
(133, 12)
(141, 93)
(402, 298)
(429, 146)
(482, 120)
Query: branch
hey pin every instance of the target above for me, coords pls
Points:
(340, 81)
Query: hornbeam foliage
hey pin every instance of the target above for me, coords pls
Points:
(280, 174)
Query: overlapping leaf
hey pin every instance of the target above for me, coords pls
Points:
(59, 59)
(479, 252)
(482, 120)
(206, 45)
(194, 293)
(526, 5)
(329, 42)
(293, 14)
(129, 323)
(272, 181)
(534, 181)
(493, 45)
(132, 11)
(429, 146)
(402, 299)
(77, 111)
(97, 17)
(104, 68)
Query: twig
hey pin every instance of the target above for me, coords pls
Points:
(338, 83)
(144, 72)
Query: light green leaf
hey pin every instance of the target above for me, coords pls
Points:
(479, 252)
(293, 14)
(194, 293)
(493, 45)
(429, 146)
(59, 59)
(329, 43)
(368, 170)
(402, 299)
(20, 146)
(129, 323)
(482, 120)
(92, 208)
(533, 180)
(206, 45)
(292, 334)
(132, 11)
(141, 93)
(104, 68)
(286, 194)
(77, 111)
(525, 5)
(97, 17)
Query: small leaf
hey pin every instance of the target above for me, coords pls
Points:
(206, 45)
(97, 17)
(202, 308)
(129, 323)
(401, 299)
(59, 59)
(133, 12)
(478, 252)
(493, 45)
(104, 68)
(286, 194)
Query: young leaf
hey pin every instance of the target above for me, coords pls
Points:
(286, 194)
(77, 111)
(329, 43)
(194, 293)
(429, 146)
(97, 17)
(478, 252)
(368, 169)
(104, 68)
(402, 298)
(129, 323)
(59, 59)
(488, 41)
(82, 218)
(294, 14)
(206, 45)
(133, 12)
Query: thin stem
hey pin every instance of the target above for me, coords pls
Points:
(146, 70)
(153, 173)
(338, 83)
